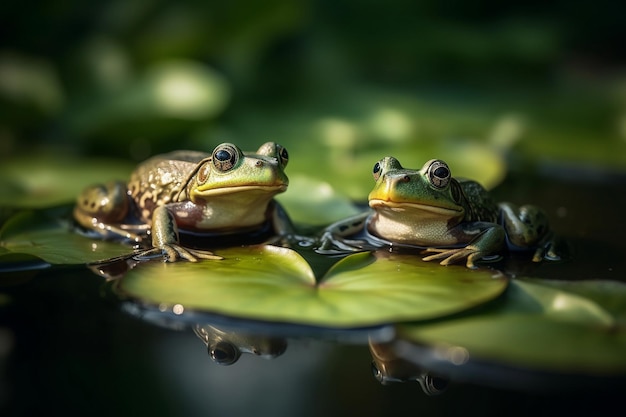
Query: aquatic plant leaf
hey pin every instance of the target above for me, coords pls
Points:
(407, 286)
(181, 90)
(276, 284)
(45, 236)
(45, 180)
(314, 202)
(568, 327)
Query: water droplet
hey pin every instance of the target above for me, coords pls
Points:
(178, 309)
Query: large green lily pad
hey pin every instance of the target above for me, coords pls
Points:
(45, 235)
(276, 284)
(566, 327)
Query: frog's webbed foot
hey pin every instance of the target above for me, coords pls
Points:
(450, 256)
(173, 252)
(329, 243)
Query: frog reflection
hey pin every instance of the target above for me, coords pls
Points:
(388, 368)
(225, 347)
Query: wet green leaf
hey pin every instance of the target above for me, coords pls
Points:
(48, 179)
(314, 202)
(51, 239)
(277, 284)
(571, 327)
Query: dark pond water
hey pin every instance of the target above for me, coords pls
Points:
(67, 347)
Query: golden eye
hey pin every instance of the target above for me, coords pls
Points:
(225, 157)
(439, 173)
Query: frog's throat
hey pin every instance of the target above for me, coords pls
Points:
(405, 206)
(268, 189)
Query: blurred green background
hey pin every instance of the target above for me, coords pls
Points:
(339, 83)
(88, 89)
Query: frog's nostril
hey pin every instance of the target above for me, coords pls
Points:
(406, 178)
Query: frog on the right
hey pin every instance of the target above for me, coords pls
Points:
(454, 219)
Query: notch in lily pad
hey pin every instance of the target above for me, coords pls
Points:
(277, 284)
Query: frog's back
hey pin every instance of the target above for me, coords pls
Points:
(479, 205)
(160, 179)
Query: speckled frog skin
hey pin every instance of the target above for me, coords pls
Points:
(451, 218)
(221, 193)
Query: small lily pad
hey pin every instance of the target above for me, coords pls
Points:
(47, 237)
(556, 326)
(276, 284)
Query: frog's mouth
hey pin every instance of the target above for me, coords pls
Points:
(406, 206)
(266, 189)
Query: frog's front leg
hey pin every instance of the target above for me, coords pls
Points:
(165, 240)
(490, 240)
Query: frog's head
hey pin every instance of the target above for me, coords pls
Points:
(229, 171)
(428, 193)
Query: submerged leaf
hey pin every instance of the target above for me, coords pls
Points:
(569, 327)
(277, 284)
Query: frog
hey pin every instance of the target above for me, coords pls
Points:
(451, 219)
(205, 196)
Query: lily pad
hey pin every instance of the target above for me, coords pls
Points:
(46, 180)
(44, 235)
(314, 202)
(276, 284)
(556, 326)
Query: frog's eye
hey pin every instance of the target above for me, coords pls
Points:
(283, 156)
(225, 157)
(376, 171)
(439, 173)
(224, 353)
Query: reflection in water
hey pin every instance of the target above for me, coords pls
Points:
(388, 368)
(226, 342)
(225, 347)
(114, 268)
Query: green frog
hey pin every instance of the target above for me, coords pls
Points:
(204, 196)
(453, 219)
